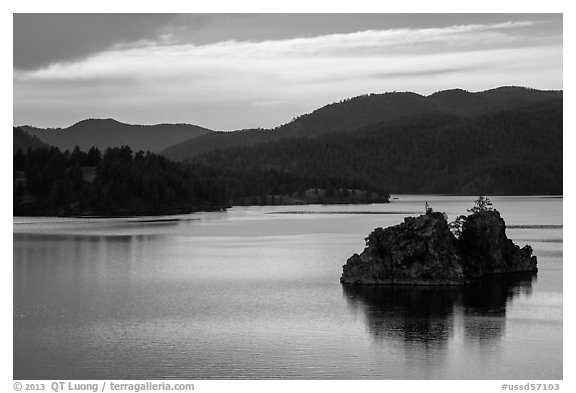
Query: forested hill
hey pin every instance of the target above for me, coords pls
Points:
(121, 182)
(513, 151)
(360, 112)
(503, 141)
(103, 133)
(24, 141)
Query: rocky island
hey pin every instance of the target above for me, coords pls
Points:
(427, 250)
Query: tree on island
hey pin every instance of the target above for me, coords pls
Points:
(481, 204)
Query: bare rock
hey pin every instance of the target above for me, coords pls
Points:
(420, 251)
(423, 251)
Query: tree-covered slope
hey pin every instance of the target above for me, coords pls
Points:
(24, 141)
(516, 151)
(120, 182)
(351, 115)
(104, 133)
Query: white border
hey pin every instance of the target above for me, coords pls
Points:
(356, 6)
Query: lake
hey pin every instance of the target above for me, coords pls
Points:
(254, 293)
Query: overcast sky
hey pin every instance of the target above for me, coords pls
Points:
(229, 72)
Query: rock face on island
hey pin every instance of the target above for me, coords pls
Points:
(423, 251)
(486, 249)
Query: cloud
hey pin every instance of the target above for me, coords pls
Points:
(162, 57)
(43, 39)
(294, 73)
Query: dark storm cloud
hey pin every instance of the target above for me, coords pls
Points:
(41, 39)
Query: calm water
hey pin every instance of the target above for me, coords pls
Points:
(254, 293)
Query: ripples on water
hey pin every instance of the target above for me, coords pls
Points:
(254, 293)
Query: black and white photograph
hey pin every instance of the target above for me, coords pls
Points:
(287, 196)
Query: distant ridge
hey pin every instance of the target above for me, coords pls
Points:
(504, 141)
(185, 141)
(508, 152)
(23, 141)
(104, 133)
(356, 113)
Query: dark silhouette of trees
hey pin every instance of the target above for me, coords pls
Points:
(481, 204)
(24, 141)
(514, 152)
(121, 182)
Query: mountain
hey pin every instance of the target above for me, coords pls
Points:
(104, 133)
(357, 113)
(24, 141)
(502, 141)
(511, 151)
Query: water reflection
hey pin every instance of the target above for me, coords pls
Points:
(51, 267)
(430, 316)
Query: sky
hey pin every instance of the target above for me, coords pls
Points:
(236, 71)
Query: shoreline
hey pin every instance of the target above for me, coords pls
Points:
(393, 197)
